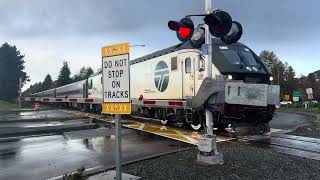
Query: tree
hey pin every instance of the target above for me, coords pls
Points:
(35, 88)
(83, 74)
(276, 67)
(11, 69)
(47, 83)
(269, 58)
(283, 74)
(64, 75)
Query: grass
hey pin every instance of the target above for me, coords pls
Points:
(293, 109)
(8, 106)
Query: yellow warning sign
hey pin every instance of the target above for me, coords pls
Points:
(116, 79)
(115, 50)
(286, 97)
(116, 108)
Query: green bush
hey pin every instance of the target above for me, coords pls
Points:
(298, 105)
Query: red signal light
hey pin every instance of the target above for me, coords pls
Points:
(184, 28)
(184, 32)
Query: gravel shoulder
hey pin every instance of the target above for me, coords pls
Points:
(242, 161)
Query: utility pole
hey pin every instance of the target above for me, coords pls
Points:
(208, 152)
(20, 85)
(278, 75)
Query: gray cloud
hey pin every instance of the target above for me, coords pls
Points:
(262, 20)
(276, 21)
(58, 17)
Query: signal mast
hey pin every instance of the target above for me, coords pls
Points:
(218, 24)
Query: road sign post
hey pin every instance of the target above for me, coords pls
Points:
(116, 90)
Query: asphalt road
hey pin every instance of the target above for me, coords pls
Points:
(64, 147)
(42, 156)
(287, 121)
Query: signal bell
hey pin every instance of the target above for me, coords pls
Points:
(219, 23)
(184, 28)
(234, 34)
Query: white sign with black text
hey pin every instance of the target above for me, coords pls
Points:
(116, 79)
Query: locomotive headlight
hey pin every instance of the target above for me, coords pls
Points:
(230, 77)
(271, 78)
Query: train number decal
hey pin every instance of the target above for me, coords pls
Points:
(161, 76)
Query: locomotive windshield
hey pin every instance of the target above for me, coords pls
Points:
(237, 59)
(238, 55)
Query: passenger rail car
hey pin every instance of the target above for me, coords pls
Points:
(73, 90)
(171, 85)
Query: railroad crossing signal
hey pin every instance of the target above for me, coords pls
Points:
(220, 26)
(184, 28)
(219, 23)
(234, 34)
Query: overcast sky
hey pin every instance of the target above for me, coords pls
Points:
(49, 32)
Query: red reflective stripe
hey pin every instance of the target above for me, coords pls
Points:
(149, 102)
(175, 103)
(73, 100)
(46, 99)
(58, 99)
(88, 100)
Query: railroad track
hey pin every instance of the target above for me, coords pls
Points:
(288, 144)
(276, 140)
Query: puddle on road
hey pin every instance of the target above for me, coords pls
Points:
(36, 115)
(49, 156)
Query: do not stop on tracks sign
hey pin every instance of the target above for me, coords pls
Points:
(116, 79)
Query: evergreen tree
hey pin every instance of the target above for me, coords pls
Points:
(47, 83)
(35, 88)
(11, 69)
(83, 74)
(64, 76)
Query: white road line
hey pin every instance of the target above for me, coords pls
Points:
(193, 141)
(141, 127)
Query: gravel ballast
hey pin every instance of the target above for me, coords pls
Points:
(242, 161)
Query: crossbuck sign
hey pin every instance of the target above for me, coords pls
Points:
(116, 79)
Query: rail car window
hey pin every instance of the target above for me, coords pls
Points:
(201, 64)
(174, 63)
(188, 65)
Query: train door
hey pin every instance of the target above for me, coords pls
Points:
(188, 77)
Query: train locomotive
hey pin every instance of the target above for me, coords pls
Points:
(171, 86)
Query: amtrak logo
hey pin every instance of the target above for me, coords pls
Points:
(161, 76)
